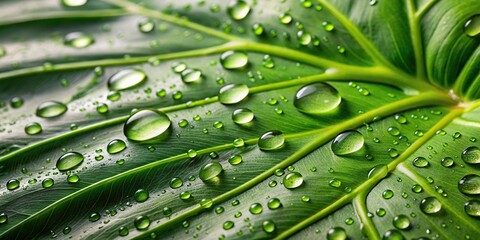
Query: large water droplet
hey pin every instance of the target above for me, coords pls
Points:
(268, 226)
(470, 184)
(471, 155)
(78, 40)
(234, 59)
(33, 128)
(228, 225)
(242, 116)
(317, 98)
(3, 218)
(337, 233)
(472, 26)
(348, 142)
(238, 9)
(420, 162)
(401, 222)
(142, 222)
(141, 195)
(74, 3)
(210, 171)
(430, 205)
(191, 75)
(47, 183)
(13, 184)
(116, 146)
(146, 125)
(126, 79)
(293, 180)
(51, 109)
(271, 140)
(69, 161)
(472, 208)
(232, 93)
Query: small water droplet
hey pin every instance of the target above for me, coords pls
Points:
(447, 162)
(74, 178)
(337, 233)
(33, 128)
(69, 161)
(123, 231)
(146, 25)
(179, 67)
(238, 9)
(141, 222)
(393, 131)
(146, 125)
(393, 235)
(328, 26)
(228, 225)
(191, 75)
(258, 29)
(304, 38)
(430, 205)
(210, 171)
(234, 59)
(348, 142)
(78, 40)
(420, 162)
(51, 109)
(116, 146)
(417, 188)
(256, 208)
(235, 159)
(94, 217)
(141, 195)
(47, 183)
(472, 208)
(271, 140)
(317, 98)
(268, 226)
(74, 3)
(471, 155)
(206, 203)
(16, 102)
(232, 93)
(126, 79)
(13, 184)
(274, 203)
(293, 180)
(401, 222)
(387, 194)
(242, 116)
(176, 183)
(470, 184)
(472, 26)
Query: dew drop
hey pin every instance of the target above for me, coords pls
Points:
(185, 195)
(141, 222)
(472, 26)
(274, 203)
(146, 125)
(126, 79)
(293, 180)
(16, 102)
(268, 226)
(401, 222)
(471, 155)
(3, 218)
(268, 62)
(347, 142)
(141, 195)
(400, 118)
(387, 194)
(420, 162)
(33, 128)
(447, 162)
(234, 59)
(228, 225)
(304, 38)
(176, 183)
(179, 67)
(69, 161)
(94, 217)
(242, 116)
(74, 3)
(146, 25)
(470, 184)
(256, 208)
(328, 26)
(472, 208)
(317, 98)
(191, 75)
(116, 146)
(13, 184)
(271, 140)
(393, 235)
(123, 231)
(337, 233)
(51, 109)
(430, 205)
(210, 171)
(232, 93)
(206, 203)
(258, 29)
(78, 40)
(235, 159)
(238, 9)
(393, 131)
(74, 178)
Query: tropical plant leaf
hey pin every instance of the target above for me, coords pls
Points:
(383, 145)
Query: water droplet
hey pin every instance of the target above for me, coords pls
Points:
(304, 38)
(305, 198)
(13, 184)
(293, 180)
(176, 183)
(69, 161)
(472, 208)
(78, 40)
(191, 75)
(232, 93)
(420, 162)
(126, 79)
(142, 222)
(274, 203)
(472, 26)
(317, 98)
(417, 188)
(393, 131)
(447, 162)
(328, 26)
(381, 212)
(469, 184)
(3, 218)
(268, 62)
(116, 146)
(74, 3)
(238, 142)
(348, 142)
(47, 183)
(258, 29)
(471, 155)
(268, 226)
(392, 152)
(146, 25)
(185, 195)
(228, 225)
(400, 118)
(401, 222)
(123, 231)
(210, 171)
(206, 203)
(94, 217)
(335, 183)
(33, 128)
(271, 140)
(242, 116)
(235, 159)
(146, 125)
(286, 18)
(179, 67)
(16, 102)
(256, 208)
(167, 211)
(387, 194)
(191, 153)
(51, 109)
(141, 195)
(337, 233)
(430, 205)
(238, 9)
(393, 235)
(234, 60)
(74, 178)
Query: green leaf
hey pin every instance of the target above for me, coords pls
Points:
(384, 145)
